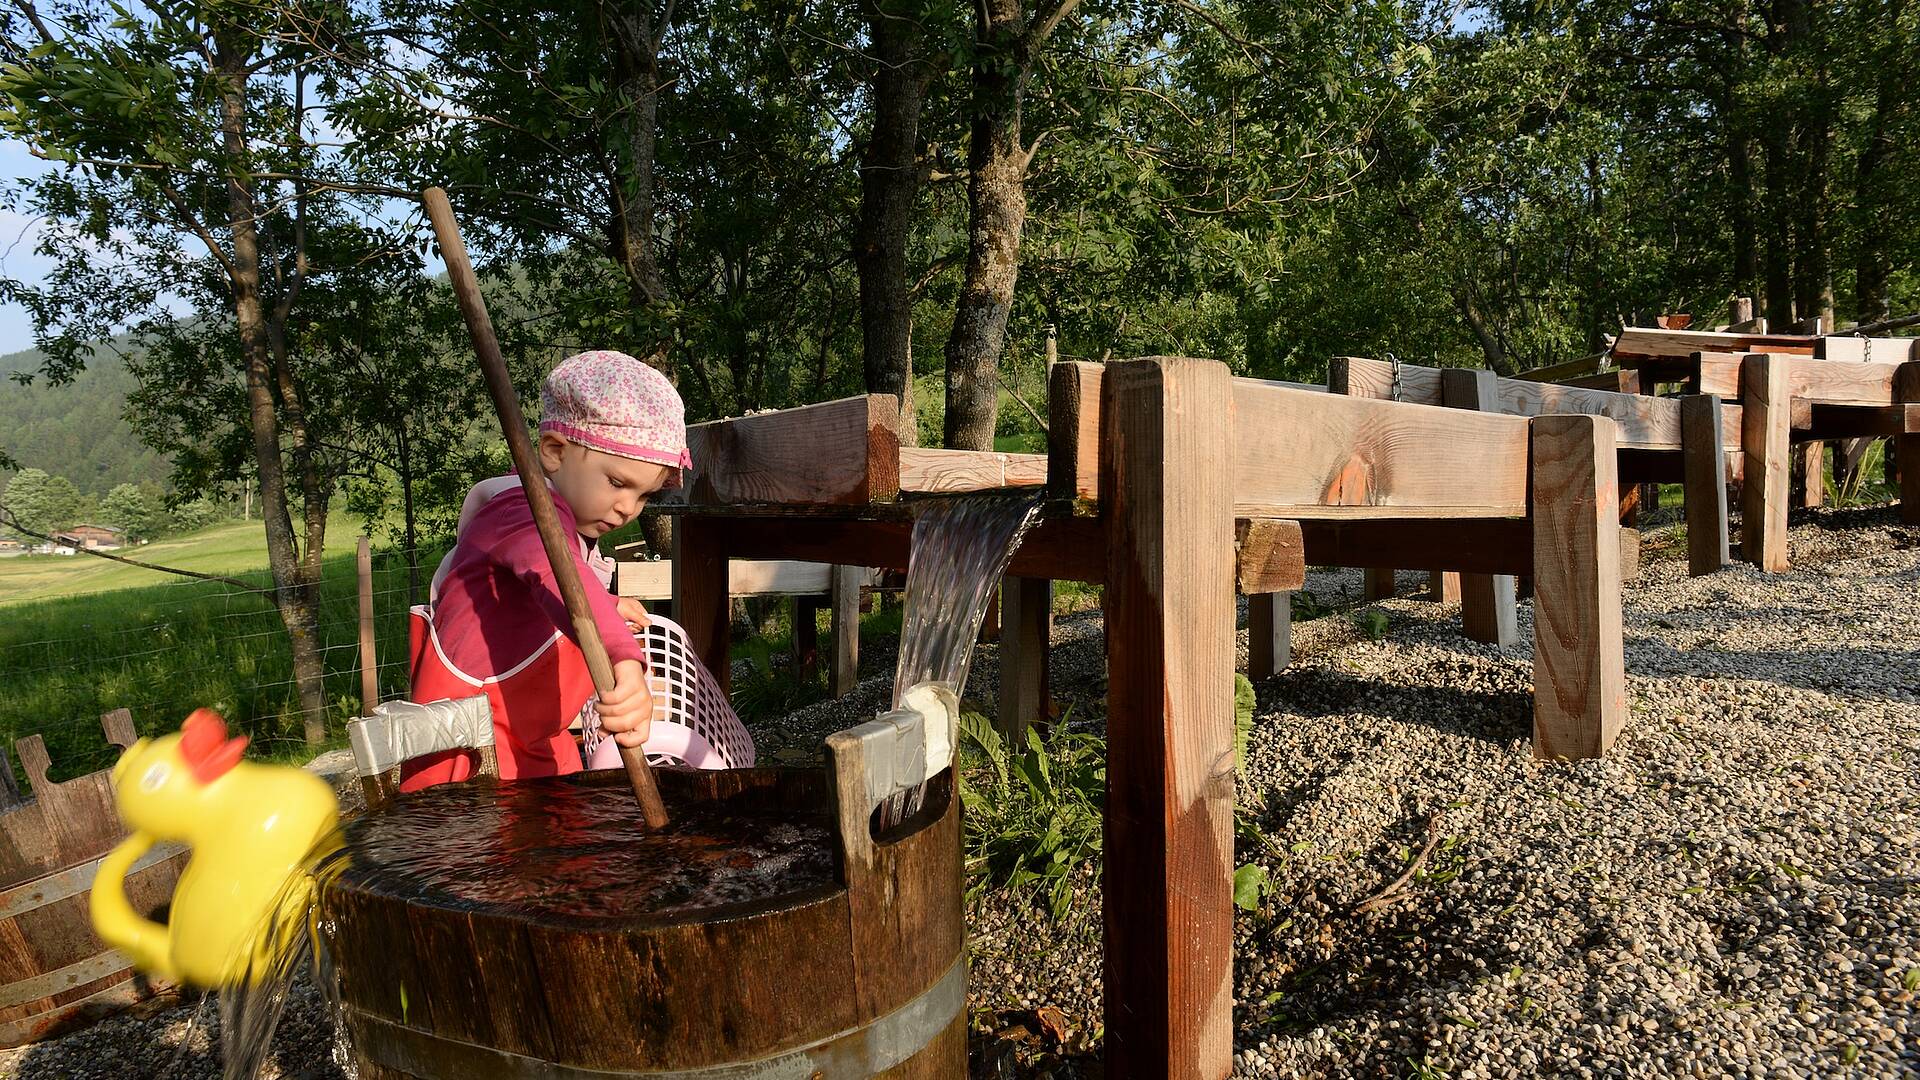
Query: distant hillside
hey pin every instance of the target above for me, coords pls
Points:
(75, 430)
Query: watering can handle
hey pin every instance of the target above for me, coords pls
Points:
(146, 943)
(466, 289)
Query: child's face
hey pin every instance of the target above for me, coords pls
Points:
(605, 491)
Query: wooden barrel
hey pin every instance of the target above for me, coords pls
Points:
(856, 972)
(55, 975)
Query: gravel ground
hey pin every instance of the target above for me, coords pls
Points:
(1734, 891)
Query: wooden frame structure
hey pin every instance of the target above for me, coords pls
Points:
(1172, 484)
(1800, 391)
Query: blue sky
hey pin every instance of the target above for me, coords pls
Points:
(17, 257)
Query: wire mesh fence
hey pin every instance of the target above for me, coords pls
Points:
(164, 650)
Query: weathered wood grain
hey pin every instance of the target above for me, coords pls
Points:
(1168, 857)
(1767, 412)
(1269, 556)
(931, 470)
(1833, 382)
(1704, 458)
(836, 453)
(1648, 423)
(1579, 671)
(1810, 467)
(1073, 431)
(1641, 341)
(1885, 350)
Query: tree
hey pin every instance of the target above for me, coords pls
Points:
(182, 126)
(41, 502)
(133, 508)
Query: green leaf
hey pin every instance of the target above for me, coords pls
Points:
(1250, 884)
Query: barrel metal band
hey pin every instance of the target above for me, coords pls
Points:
(80, 973)
(72, 881)
(857, 1052)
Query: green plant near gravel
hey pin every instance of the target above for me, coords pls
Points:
(1371, 622)
(1033, 811)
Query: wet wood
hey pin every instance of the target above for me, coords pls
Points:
(1168, 866)
(1579, 671)
(1766, 401)
(1705, 461)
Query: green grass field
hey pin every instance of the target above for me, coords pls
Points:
(120, 637)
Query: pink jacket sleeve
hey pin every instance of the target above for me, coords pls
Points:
(504, 529)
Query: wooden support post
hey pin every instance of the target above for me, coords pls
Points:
(1168, 867)
(806, 637)
(1443, 587)
(1377, 584)
(369, 659)
(1269, 634)
(1810, 461)
(846, 629)
(1489, 608)
(1026, 631)
(701, 603)
(1579, 667)
(1766, 408)
(1704, 459)
(1906, 446)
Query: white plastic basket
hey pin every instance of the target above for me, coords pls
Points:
(693, 724)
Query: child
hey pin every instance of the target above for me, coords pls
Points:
(612, 432)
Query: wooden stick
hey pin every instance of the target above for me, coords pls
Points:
(466, 289)
(369, 665)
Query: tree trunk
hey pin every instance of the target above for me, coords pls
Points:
(889, 185)
(1779, 226)
(1873, 190)
(291, 590)
(1813, 259)
(629, 29)
(1490, 346)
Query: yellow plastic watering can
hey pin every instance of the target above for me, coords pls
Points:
(252, 829)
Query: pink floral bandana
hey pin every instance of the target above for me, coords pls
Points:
(611, 402)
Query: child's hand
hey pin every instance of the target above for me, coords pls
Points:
(632, 611)
(626, 711)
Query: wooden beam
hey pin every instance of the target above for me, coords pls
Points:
(1833, 382)
(1168, 851)
(845, 674)
(1767, 407)
(1566, 369)
(653, 580)
(1704, 457)
(1026, 633)
(1489, 604)
(1269, 634)
(1058, 548)
(1073, 431)
(1648, 423)
(701, 604)
(1471, 545)
(1642, 341)
(926, 470)
(1330, 455)
(1860, 421)
(1579, 668)
(1618, 381)
(1269, 556)
(1717, 374)
(837, 453)
(1906, 447)
(1864, 350)
(1810, 462)
(1377, 582)
(1361, 376)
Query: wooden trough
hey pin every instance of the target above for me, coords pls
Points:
(1173, 484)
(853, 968)
(55, 975)
(1798, 391)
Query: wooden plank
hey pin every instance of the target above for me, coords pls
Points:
(1269, 556)
(1330, 455)
(701, 603)
(1645, 422)
(1840, 383)
(1471, 545)
(1489, 604)
(1057, 548)
(1269, 634)
(1906, 447)
(1618, 381)
(1579, 670)
(1643, 341)
(1168, 857)
(837, 453)
(927, 470)
(1717, 374)
(653, 580)
(1810, 463)
(1566, 369)
(846, 581)
(1073, 431)
(1360, 376)
(1860, 421)
(1768, 416)
(1704, 457)
(1867, 350)
(1026, 633)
